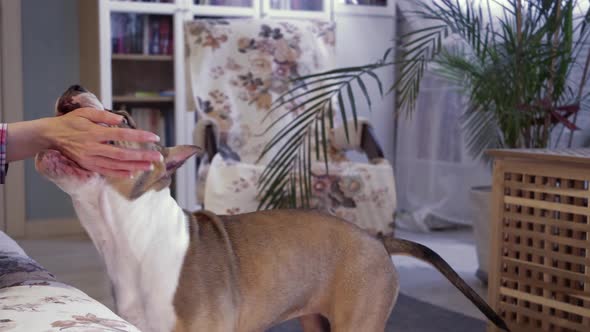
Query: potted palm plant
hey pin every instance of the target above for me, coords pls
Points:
(514, 64)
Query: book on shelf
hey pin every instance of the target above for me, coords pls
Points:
(157, 121)
(141, 34)
(148, 94)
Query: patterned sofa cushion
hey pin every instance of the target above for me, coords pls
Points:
(32, 300)
(16, 268)
(52, 306)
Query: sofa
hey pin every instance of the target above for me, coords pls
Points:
(31, 299)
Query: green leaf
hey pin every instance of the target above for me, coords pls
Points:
(300, 177)
(365, 92)
(339, 71)
(317, 137)
(377, 80)
(386, 55)
(343, 114)
(282, 133)
(321, 97)
(278, 164)
(353, 106)
(325, 138)
(415, 32)
(302, 93)
(330, 114)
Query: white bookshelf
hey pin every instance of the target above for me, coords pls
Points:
(98, 64)
(142, 100)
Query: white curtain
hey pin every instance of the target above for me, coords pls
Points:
(434, 171)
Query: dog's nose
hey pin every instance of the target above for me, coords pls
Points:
(77, 88)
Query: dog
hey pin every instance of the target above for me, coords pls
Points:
(177, 271)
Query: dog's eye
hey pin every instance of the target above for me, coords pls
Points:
(111, 142)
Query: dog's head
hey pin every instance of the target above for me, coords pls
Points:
(73, 179)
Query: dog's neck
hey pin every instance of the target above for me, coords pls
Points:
(143, 243)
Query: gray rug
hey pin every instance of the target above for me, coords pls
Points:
(412, 315)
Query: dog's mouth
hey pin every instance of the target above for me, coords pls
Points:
(55, 166)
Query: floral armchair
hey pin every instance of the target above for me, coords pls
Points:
(235, 69)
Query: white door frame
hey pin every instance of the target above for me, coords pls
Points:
(12, 85)
(2, 210)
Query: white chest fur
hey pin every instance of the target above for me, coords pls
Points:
(143, 243)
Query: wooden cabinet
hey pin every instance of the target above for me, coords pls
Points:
(540, 258)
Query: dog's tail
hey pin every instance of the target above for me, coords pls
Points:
(404, 247)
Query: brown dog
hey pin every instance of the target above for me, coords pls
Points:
(201, 272)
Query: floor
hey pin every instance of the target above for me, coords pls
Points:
(75, 261)
(421, 281)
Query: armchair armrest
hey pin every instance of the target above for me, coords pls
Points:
(206, 136)
(210, 141)
(369, 143)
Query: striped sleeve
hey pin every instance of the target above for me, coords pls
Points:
(3, 163)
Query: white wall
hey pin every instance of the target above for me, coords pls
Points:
(362, 40)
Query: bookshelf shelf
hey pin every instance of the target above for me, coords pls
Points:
(134, 99)
(223, 11)
(142, 57)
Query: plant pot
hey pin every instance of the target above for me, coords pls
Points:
(480, 207)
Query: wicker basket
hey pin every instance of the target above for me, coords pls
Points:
(540, 244)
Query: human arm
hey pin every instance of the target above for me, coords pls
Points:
(79, 136)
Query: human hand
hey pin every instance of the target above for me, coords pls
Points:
(79, 136)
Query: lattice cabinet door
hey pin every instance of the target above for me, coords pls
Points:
(540, 242)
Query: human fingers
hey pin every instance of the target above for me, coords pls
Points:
(98, 116)
(115, 173)
(122, 154)
(128, 135)
(123, 165)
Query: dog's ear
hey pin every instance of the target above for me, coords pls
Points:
(160, 176)
(176, 156)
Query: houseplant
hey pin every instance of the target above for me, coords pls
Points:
(513, 65)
